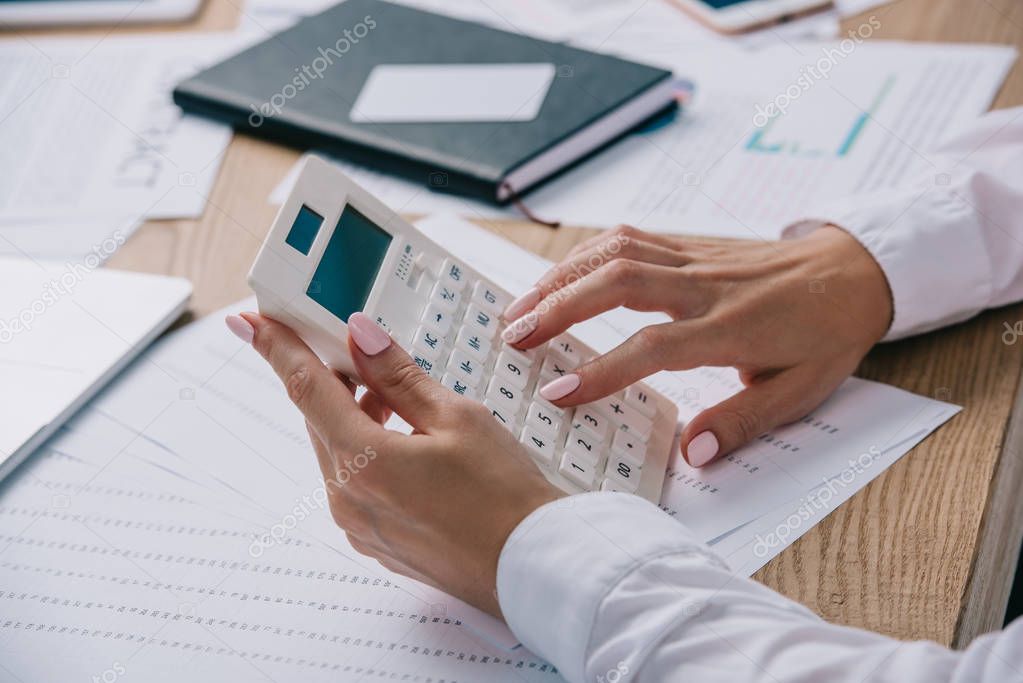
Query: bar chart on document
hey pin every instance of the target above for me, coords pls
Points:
(872, 123)
(837, 140)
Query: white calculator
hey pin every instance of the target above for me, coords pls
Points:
(334, 249)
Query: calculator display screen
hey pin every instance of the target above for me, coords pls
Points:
(345, 274)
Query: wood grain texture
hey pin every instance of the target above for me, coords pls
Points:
(926, 550)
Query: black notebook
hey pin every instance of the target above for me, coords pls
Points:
(299, 87)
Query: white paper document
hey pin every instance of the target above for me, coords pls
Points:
(69, 239)
(761, 143)
(94, 133)
(110, 567)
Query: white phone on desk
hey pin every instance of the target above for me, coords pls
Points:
(334, 249)
(735, 16)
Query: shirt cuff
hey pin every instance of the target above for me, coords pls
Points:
(937, 266)
(561, 561)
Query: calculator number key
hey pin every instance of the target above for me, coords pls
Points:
(500, 414)
(579, 469)
(501, 393)
(539, 445)
(623, 472)
(590, 424)
(511, 371)
(541, 419)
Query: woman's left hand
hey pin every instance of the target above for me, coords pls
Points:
(436, 505)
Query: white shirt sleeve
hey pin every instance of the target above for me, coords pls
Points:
(609, 589)
(951, 243)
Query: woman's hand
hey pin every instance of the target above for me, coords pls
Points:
(794, 317)
(436, 505)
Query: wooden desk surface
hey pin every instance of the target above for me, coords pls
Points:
(926, 550)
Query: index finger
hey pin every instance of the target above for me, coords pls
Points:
(327, 404)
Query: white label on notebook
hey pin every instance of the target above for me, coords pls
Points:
(424, 93)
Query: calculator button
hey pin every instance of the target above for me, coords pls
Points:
(640, 399)
(475, 345)
(456, 385)
(623, 471)
(641, 426)
(591, 423)
(630, 418)
(568, 349)
(465, 368)
(428, 342)
(446, 297)
(626, 444)
(553, 367)
(560, 414)
(578, 469)
(453, 274)
(539, 445)
(500, 414)
(438, 318)
(480, 321)
(511, 371)
(542, 420)
(526, 358)
(429, 365)
(584, 447)
(615, 486)
(499, 392)
(488, 298)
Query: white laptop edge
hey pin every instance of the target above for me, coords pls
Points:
(36, 440)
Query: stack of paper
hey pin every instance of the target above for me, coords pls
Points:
(100, 146)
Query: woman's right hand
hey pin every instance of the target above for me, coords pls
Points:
(795, 317)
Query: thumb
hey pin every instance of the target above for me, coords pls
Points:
(736, 421)
(392, 375)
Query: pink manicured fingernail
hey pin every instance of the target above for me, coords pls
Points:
(241, 328)
(561, 387)
(369, 337)
(702, 449)
(520, 329)
(522, 304)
